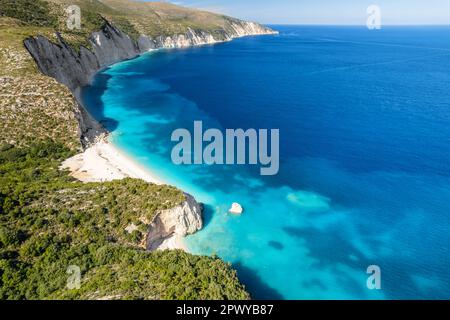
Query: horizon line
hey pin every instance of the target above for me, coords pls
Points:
(357, 25)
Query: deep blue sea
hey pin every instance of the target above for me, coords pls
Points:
(364, 119)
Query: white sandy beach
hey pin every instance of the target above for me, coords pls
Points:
(172, 243)
(104, 162)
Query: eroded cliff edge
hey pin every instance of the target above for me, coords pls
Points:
(178, 222)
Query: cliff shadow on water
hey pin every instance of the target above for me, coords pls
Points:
(255, 284)
(208, 213)
(93, 102)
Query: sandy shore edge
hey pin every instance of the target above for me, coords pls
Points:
(102, 162)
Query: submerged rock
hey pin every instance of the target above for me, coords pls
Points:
(236, 208)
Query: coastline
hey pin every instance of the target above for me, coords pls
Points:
(102, 162)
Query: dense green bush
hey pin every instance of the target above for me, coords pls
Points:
(33, 12)
(48, 222)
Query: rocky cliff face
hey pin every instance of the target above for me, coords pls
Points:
(180, 221)
(60, 61)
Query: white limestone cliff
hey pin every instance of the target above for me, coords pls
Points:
(180, 221)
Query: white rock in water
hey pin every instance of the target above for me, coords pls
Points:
(236, 208)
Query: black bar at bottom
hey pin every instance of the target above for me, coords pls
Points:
(214, 309)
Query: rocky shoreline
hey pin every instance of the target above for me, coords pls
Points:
(170, 227)
(76, 70)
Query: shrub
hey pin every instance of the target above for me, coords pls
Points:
(33, 12)
(49, 222)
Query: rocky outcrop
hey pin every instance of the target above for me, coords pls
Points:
(182, 220)
(236, 208)
(75, 69)
(89, 129)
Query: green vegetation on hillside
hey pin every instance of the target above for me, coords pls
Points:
(33, 12)
(49, 222)
(33, 107)
(133, 17)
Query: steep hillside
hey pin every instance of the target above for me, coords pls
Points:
(33, 106)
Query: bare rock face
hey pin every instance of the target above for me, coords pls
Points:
(145, 43)
(58, 60)
(111, 45)
(182, 220)
(73, 69)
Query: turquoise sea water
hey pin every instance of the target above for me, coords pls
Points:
(364, 119)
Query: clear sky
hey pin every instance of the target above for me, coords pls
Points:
(328, 11)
